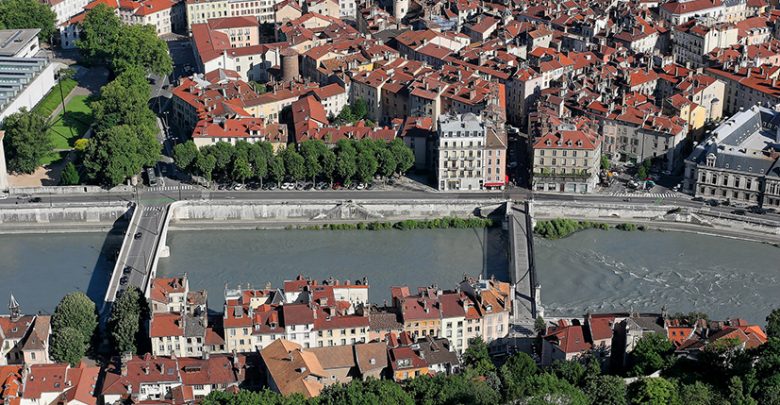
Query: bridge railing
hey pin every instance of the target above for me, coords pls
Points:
(122, 256)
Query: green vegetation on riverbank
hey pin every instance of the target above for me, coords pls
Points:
(561, 227)
(408, 224)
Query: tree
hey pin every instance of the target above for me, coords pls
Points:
(359, 110)
(773, 324)
(653, 391)
(205, 165)
(736, 393)
(387, 162)
(118, 153)
(241, 170)
(607, 390)
(605, 163)
(404, 156)
(516, 375)
(294, 164)
(125, 101)
(16, 14)
(81, 144)
(26, 141)
(641, 173)
(540, 326)
(68, 346)
(546, 388)
(311, 149)
(223, 152)
(651, 354)
(259, 162)
(366, 166)
(345, 116)
(455, 389)
(346, 163)
(70, 176)
(476, 357)
(329, 160)
(697, 393)
(185, 154)
(276, 168)
(140, 46)
(571, 371)
(127, 315)
(73, 325)
(100, 32)
(371, 391)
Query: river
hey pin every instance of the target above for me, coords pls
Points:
(387, 258)
(593, 270)
(602, 271)
(39, 269)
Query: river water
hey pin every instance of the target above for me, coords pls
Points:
(40, 269)
(593, 270)
(387, 258)
(601, 271)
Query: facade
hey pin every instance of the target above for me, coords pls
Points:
(693, 41)
(30, 76)
(179, 324)
(567, 160)
(24, 339)
(739, 161)
(459, 148)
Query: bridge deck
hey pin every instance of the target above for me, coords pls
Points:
(521, 266)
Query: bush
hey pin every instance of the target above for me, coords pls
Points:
(627, 227)
(560, 227)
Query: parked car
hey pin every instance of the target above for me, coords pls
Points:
(757, 210)
(698, 199)
(352, 186)
(272, 186)
(308, 186)
(124, 280)
(370, 186)
(35, 200)
(127, 270)
(739, 211)
(287, 186)
(321, 185)
(361, 186)
(299, 186)
(337, 186)
(138, 235)
(238, 186)
(713, 203)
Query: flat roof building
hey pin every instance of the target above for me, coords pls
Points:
(19, 43)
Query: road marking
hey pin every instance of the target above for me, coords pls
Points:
(645, 195)
(171, 188)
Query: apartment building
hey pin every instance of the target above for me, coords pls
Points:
(693, 41)
(459, 147)
(179, 322)
(738, 162)
(567, 160)
(24, 339)
(200, 11)
(748, 86)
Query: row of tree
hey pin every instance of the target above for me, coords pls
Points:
(105, 39)
(349, 160)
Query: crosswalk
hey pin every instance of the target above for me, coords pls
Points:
(171, 188)
(157, 208)
(645, 195)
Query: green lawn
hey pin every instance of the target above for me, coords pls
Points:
(53, 158)
(50, 102)
(69, 127)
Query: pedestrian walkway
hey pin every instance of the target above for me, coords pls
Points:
(171, 188)
(645, 195)
(153, 209)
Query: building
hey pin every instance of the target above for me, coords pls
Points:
(567, 160)
(459, 147)
(171, 379)
(58, 384)
(179, 323)
(738, 162)
(564, 342)
(24, 339)
(693, 41)
(748, 86)
(166, 16)
(292, 369)
(29, 77)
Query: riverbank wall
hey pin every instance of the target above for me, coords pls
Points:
(274, 212)
(61, 218)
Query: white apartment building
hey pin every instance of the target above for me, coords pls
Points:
(692, 41)
(459, 147)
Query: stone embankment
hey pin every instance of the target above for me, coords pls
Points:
(61, 218)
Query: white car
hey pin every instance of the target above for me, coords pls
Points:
(361, 186)
(238, 187)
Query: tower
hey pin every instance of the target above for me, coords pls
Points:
(14, 309)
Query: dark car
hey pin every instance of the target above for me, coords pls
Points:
(713, 203)
(123, 280)
(757, 210)
(739, 212)
(127, 270)
(35, 200)
(137, 235)
(698, 199)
